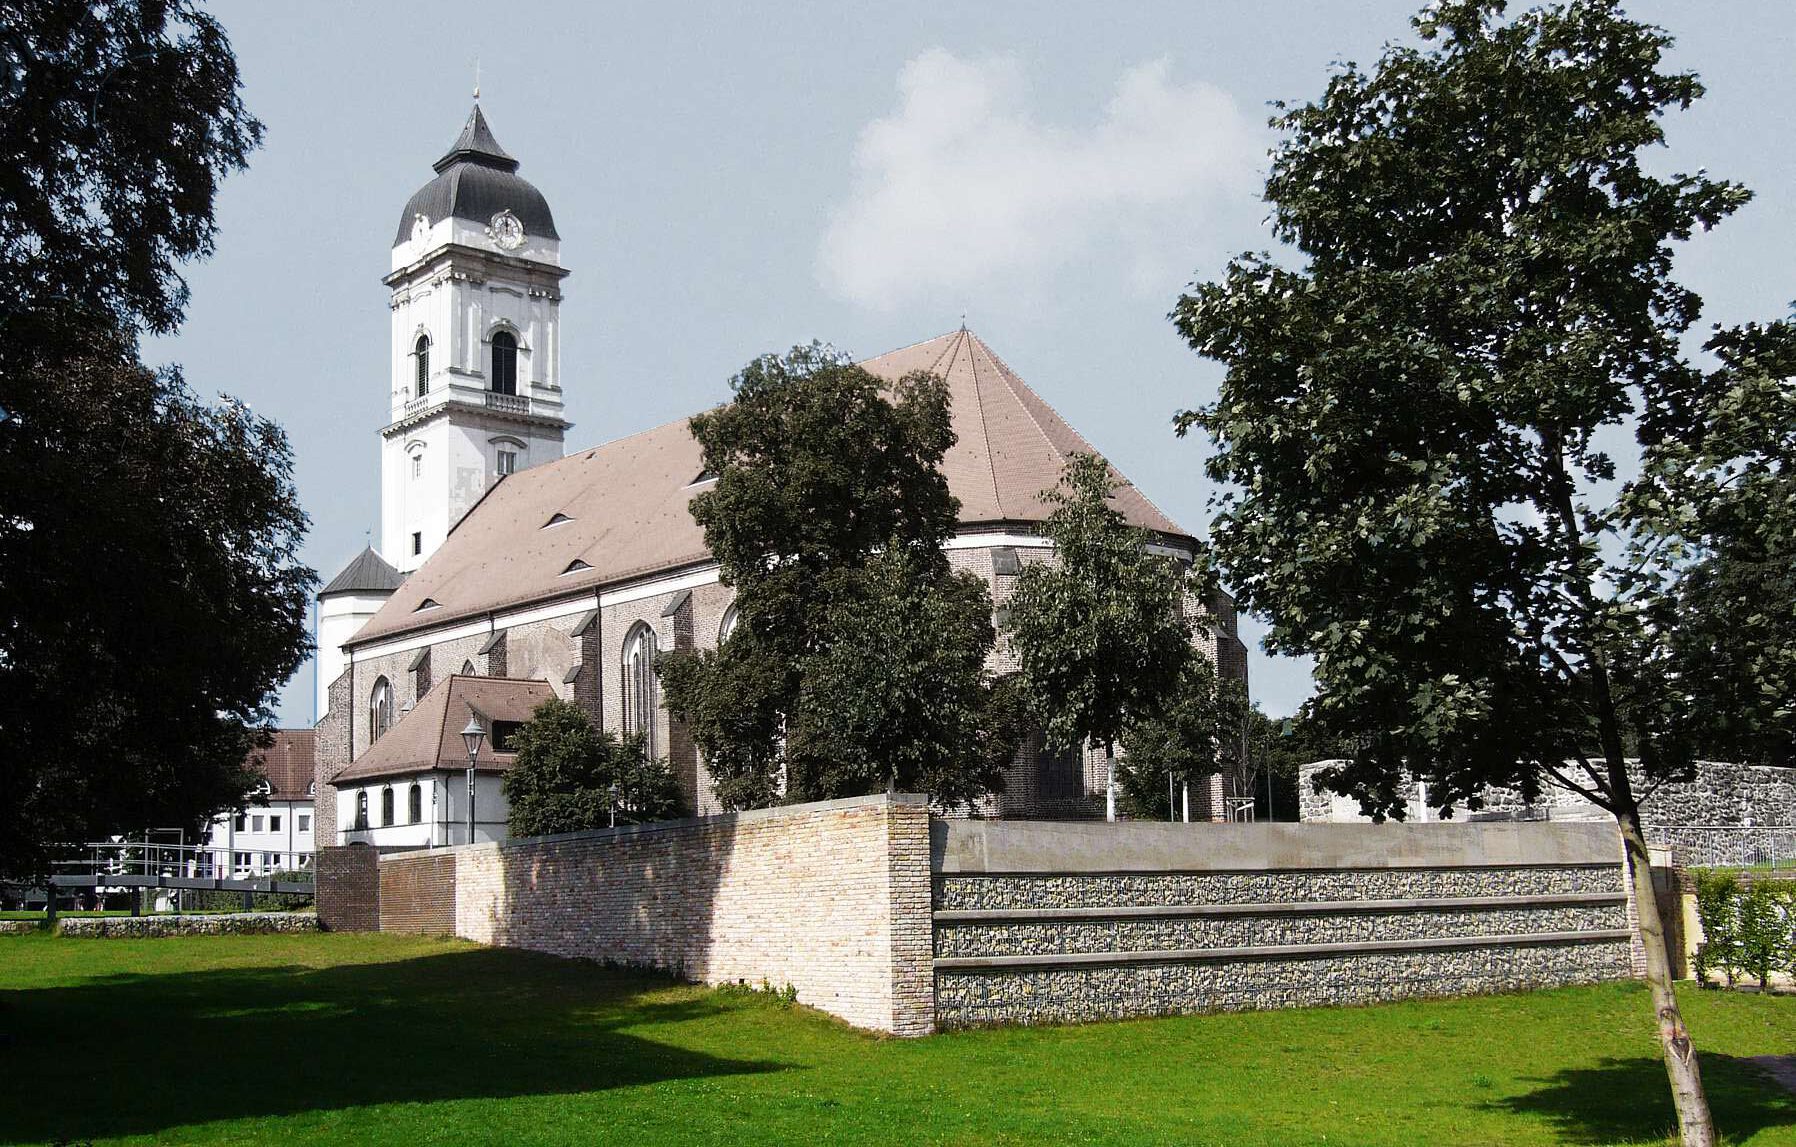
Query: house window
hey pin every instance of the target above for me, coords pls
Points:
(467, 669)
(274, 824)
(255, 824)
(507, 462)
(639, 691)
(417, 465)
(305, 822)
(414, 804)
(240, 859)
(417, 543)
(503, 732)
(386, 807)
(380, 703)
(1060, 773)
(361, 808)
(728, 627)
(422, 352)
(505, 363)
(270, 861)
(242, 822)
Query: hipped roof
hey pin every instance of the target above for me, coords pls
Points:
(287, 763)
(429, 737)
(626, 502)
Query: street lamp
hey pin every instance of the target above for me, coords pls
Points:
(472, 736)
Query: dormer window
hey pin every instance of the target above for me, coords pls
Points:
(575, 566)
(427, 603)
(421, 352)
(504, 378)
(557, 520)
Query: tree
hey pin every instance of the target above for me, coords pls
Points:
(150, 594)
(857, 662)
(570, 776)
(1100, 631)
(151, 600)
(117, 122)
(1200, 730)
(1414, 421)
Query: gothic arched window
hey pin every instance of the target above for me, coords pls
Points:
(386, 807)
(422, 353)
(640, 692)
(380, 709)
(361, 809)
(728, 626)
(505, 363)
(414, 804)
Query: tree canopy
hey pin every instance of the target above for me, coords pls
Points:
(570, 776)
(1199, 729)
(151, 598)
(857, 661)
(1100, 631)
(1416, 423)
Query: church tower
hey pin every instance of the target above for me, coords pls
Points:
(476, 302)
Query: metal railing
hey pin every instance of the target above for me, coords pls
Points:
(137, 862)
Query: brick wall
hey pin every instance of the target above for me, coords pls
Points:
(831, 898)
(348, 896)
(417, 893)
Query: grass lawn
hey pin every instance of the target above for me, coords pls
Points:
(388, 1039)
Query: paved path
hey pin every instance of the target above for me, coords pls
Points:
(1781, 1068)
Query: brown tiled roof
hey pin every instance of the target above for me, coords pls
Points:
(287, 763)
(626, 501)
(429, 737)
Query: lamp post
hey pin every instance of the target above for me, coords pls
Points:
(472, 736)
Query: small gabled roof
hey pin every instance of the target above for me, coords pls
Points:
(287, 763)
(628, 501)
(367, 572)
(429, 737)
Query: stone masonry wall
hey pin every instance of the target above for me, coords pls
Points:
(1062, 923)
(831, 898)
(417, 893)
(1729, 814)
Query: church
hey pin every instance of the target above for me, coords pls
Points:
(510, 571)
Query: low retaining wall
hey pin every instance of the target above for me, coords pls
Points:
(1060, 922)
(831, 898)
(208, 924)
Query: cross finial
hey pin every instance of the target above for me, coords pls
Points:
(963, 320)
(476, 79)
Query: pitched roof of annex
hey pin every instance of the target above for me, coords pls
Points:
(287, 763)
(619, 512)
(429, 736)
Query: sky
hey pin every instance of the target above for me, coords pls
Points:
(730, 180)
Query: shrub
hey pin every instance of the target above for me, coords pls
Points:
(1764, 933)
(1717, 896)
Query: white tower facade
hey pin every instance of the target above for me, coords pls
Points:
(476, 301)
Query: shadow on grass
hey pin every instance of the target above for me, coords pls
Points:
(139, 1054)
(1629, 1100)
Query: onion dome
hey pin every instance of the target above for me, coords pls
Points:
(476, 180)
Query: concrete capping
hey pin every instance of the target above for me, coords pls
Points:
(721, 820)
(1279, 952)
(1279, 908)
(1075, 848)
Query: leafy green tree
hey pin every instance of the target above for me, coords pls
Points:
(117, 122)
(1100, 631)
(1415, 418)
(570, 776)
(1200, 730)
(858, 659)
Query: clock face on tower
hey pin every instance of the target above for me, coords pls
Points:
(506, 231)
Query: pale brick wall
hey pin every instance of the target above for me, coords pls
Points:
(832, 898)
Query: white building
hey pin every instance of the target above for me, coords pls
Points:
(410, 788)
(274, 831)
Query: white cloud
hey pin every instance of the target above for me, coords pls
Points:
(962, 189)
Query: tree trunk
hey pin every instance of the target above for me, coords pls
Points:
(1110, 781)
(1695, 1126)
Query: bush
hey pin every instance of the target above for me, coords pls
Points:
(570, 776)
(1751, 928)
(1717, 896)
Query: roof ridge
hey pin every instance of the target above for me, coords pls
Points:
(909, 346)
(985, 431)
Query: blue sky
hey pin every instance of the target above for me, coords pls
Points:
(728, 182)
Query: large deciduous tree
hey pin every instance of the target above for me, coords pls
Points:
(1100, 631)
(1200, 729)
(150, 594)
(857, 662)
(570, 776)
(1417, 414)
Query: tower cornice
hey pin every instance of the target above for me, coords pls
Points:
(460, 256)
